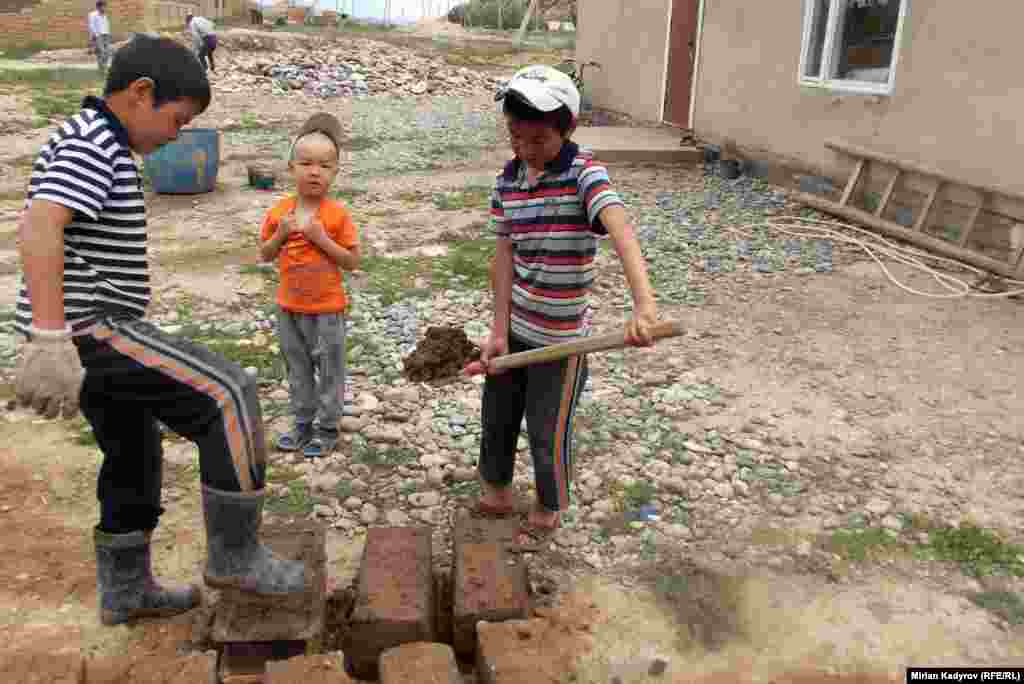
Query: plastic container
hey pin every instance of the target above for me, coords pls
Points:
(187, 166)
(261, 177)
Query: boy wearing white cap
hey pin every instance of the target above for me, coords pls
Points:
(550, 204)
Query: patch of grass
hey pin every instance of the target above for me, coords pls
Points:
(469, 198)
(264, 357)
(392, 277)
(343, 490)
(280, 472)
(360, 143)
(24, 51)
(1006, 604)
(466, 264)
(978, 551)
(248, 120)
(355, 26)
(470, 488)
(377, 457)
(297, 501)
(349, 194)
(639, 493)
(861, 544)
(82, 433)
(57, 104)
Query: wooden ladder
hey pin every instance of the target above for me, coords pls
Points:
(1013, 267)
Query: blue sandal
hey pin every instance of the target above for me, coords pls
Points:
(295, 439)
(322, 444)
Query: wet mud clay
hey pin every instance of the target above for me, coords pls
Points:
(441, 354)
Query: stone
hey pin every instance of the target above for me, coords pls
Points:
(384, 435)
(353, 503)
(351, 424)
(419, 662)
(435, 477)
(488, 582)
(368, 514)
(361, 470)
(657, 667)
(429, 461)
(425, 499)
(396, 518)
(878, 506)
(464, 474)
(395, 601)
(891, 522)
(311, 669)
(367, 403)
(724, 490)
(326, 482)
(803, 549)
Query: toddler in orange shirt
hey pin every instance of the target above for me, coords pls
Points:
(312, 238)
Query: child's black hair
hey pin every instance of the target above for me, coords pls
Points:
(175, 70)
(516, 107)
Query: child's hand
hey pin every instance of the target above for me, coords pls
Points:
(496, 345)
(314, 231)
(638, 328)
(287, 225)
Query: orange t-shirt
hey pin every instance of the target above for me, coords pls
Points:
(310, 280)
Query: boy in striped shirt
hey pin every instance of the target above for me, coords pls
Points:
(81, 304)
(550, 205)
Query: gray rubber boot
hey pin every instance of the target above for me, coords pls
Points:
(125, 584)
(235, 557)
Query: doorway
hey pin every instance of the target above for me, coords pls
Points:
(682, 51)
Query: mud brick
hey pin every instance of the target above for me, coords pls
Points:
(488, 582)
(320, 669)
(247, 662)
(27, 668)
(532, 651)
(394, 596)
(243, 617)
(198, 668)
(419, 662)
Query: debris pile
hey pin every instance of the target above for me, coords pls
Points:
(442, 353)
(328, 69)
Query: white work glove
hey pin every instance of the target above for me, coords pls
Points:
(49, 376)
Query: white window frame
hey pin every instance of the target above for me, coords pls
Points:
(830, 49)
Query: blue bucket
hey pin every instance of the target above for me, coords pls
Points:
(187, 166)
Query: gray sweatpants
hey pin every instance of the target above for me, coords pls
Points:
(103, 51)
(313, 346)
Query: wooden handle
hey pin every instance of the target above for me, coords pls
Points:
(557, 352)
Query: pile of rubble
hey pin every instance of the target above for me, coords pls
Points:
(358, 67)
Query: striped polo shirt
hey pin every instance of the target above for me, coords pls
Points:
(554, 227)
(87, 166)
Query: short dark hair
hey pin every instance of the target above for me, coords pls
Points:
(175, 70)
(516, 107)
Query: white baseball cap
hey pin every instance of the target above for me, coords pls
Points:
(544, 88)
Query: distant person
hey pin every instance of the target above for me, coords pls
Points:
(99, 34)
(204, 38)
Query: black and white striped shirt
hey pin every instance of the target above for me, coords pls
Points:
(87, 166)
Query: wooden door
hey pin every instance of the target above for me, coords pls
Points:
(682, 48)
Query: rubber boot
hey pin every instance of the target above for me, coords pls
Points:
(235, 557)
(125, 584)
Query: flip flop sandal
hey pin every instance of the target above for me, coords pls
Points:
(490, 510)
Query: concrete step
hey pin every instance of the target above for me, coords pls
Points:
(624, 144)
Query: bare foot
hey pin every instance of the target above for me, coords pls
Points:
(543, 519)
